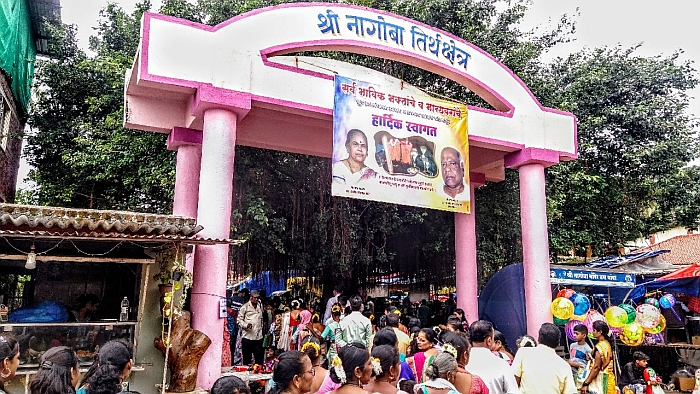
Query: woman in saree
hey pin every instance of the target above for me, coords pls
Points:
(427, 343)
(467, 383)
(601, 378)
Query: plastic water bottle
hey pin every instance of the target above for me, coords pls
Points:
(124, 315)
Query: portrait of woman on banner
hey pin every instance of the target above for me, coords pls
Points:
(352, 170)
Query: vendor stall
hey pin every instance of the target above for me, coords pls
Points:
(80, 278)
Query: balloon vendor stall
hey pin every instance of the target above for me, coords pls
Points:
(645, 310)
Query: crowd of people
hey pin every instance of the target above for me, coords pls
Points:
(352, 346)
(358, 349)
(59, 369)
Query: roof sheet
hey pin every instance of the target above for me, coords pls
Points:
(616, 261)
(160, 238)
(30, 217)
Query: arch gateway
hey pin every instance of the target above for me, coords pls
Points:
(210, 88)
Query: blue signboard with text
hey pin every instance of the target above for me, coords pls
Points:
(587, 277)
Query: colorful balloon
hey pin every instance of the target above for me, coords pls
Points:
(616, 316)
(667, 301)
(653, 339)
(652, 301)
(615, 331)
(566, 293)
(648, 315)
(581, 303)
(631, 312)
(569, 328)
(630, 342)
(658, 328)
(592, 317)
(633, 332)
(562, 308)
(579, 318)
(560, 322)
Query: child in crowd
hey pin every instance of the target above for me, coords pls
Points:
(270, 360)
(579, 353)
(407, 385)
(230, 385)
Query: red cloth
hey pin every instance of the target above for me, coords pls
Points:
(226, 348)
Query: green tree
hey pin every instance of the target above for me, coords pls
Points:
(634, 140)
(80, 153)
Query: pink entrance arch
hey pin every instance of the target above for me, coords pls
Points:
(211, 88)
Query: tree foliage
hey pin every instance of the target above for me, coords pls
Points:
(635, 139)
(80, 153)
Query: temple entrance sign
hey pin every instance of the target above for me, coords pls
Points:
(212, 87)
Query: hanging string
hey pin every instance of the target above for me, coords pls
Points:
(94, 254)
(37, 253)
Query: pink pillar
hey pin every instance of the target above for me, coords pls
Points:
(188, 144)
(531, 163)
(467, 280)
(214, 213)
(533, 217)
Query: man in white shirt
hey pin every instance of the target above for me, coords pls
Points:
(494, 371)
(355, 327)
(337, 290)
(530, 373)
(250, 320)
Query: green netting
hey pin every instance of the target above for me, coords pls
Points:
(17, 50)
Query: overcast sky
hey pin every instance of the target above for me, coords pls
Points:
(661, 27)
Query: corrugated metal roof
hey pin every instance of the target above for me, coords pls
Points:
(616, 261)
(24, 217)
(160, 238)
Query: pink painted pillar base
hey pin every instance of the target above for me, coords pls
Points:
(467, 280)
(214, 213)
(535, 238)
(188, 144)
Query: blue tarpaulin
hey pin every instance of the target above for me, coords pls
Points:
(267, 282)
(502, 302)
(689, 286)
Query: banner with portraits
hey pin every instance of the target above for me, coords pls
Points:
(400, 148)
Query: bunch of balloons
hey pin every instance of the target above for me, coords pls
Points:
(634, 326)
(644, 324)
(568, 306)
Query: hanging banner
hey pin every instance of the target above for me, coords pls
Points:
(399, 148)
(587, 277)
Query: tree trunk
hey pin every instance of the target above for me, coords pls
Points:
(188, 347)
